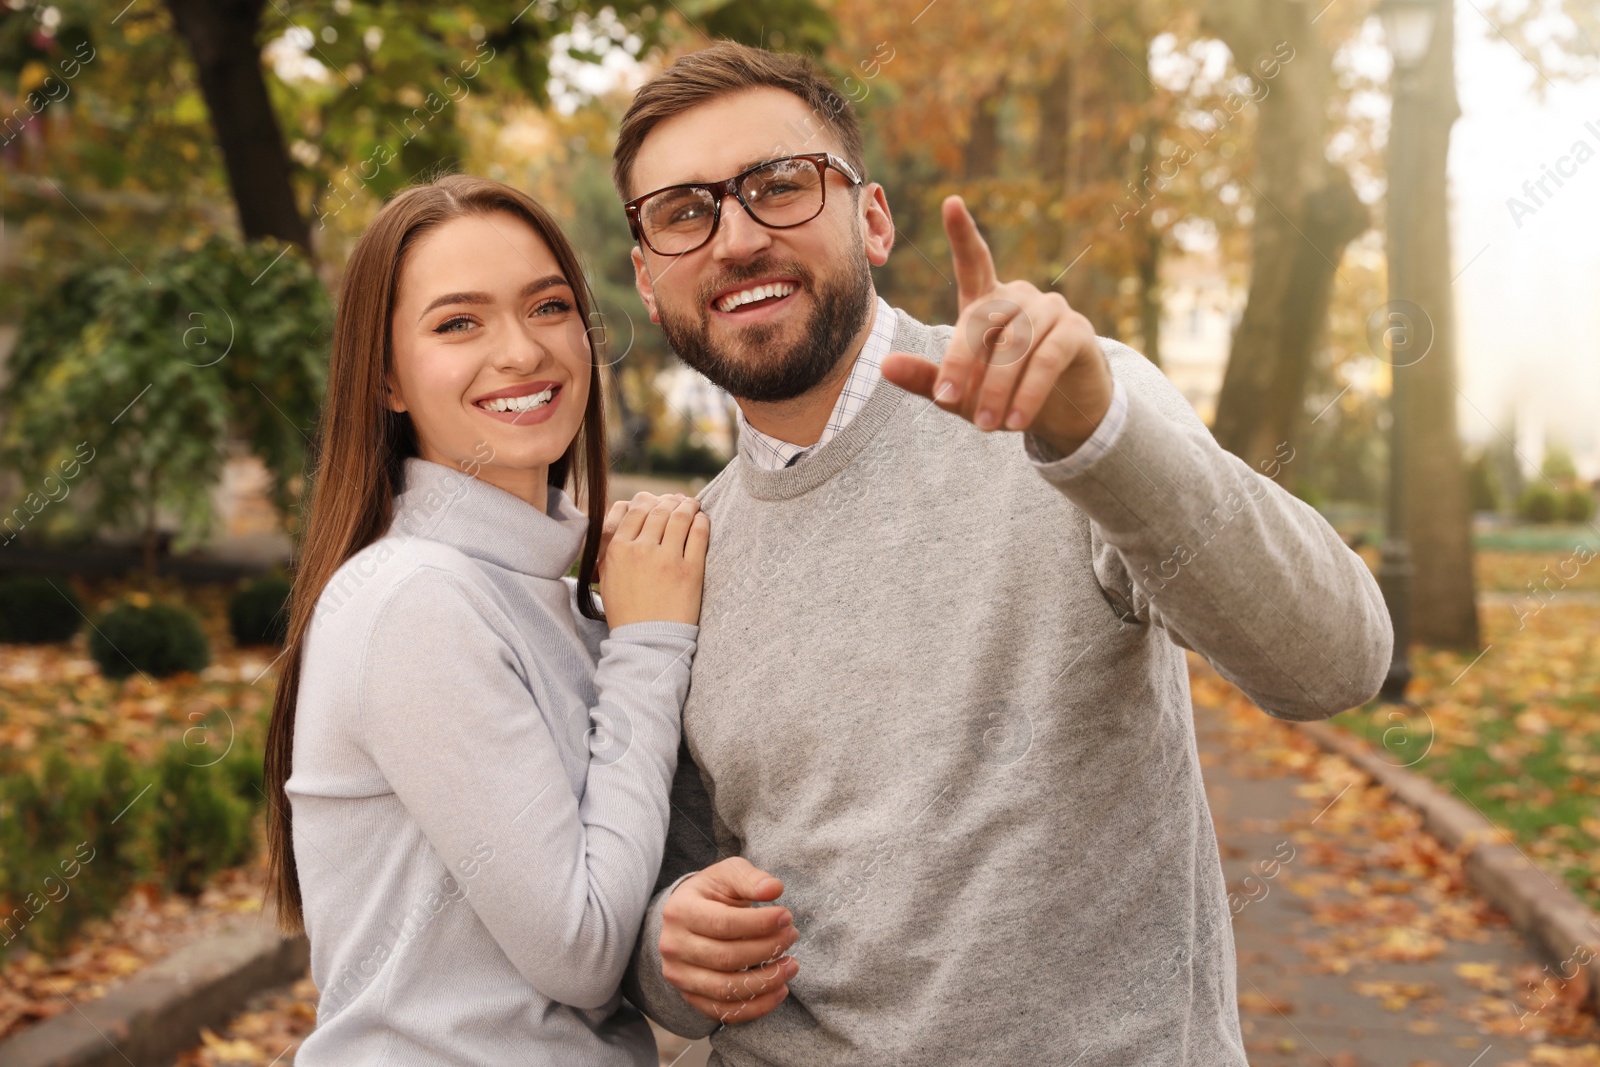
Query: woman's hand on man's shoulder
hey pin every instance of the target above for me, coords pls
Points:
(653, 559)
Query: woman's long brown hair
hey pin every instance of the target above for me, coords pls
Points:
(362, 447)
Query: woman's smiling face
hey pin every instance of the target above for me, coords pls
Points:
(491, 358)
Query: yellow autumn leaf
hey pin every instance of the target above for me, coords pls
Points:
(231, 1051)
(1531, 722)
(120, 961)
(1483, 976)
(1558, 1056)
(1394, 996)
(1404, 944)
(32, 75)
(1260, 1004)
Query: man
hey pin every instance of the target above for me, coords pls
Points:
(938, 728)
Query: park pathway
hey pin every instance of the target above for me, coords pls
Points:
(1359, 945)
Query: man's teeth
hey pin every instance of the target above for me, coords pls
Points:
(760, 292)
(518, 403)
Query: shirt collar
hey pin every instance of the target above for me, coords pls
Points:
(773, 453)
(440, 503)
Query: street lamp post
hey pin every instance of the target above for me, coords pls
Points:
(1408, 29)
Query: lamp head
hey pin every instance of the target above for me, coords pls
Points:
(1408, 29)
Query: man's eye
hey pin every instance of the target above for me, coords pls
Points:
(459, 324)
(687, 214)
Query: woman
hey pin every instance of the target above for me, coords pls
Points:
(477, 771)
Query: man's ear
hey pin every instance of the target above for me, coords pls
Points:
(642, 282)
(877, 225)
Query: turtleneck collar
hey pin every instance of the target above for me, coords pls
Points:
(443, 504)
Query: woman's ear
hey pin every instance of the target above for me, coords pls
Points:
(393, 398)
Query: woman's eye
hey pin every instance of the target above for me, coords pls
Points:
(455, 325)
(552, 307)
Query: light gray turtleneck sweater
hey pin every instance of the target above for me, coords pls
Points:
(479, 791)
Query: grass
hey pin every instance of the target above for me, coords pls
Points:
(1513, 729)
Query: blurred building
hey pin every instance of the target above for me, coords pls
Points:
(703, 408)
(1200, 307)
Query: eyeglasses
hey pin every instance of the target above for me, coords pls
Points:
(779, 194)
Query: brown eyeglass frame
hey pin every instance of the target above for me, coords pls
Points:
(730, 187)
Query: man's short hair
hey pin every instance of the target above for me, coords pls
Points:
(727, 67)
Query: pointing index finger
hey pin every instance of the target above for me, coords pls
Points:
(969, 252)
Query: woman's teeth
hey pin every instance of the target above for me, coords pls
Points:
(518, 403)
(749, 296)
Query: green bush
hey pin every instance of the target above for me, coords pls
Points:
(76, 836)
(65, 856)
(1557, 465)
(1540, 504)
(1578, 505)
(206, 332)
(158, 640)
(1308, 491)
(258, 614)
(202, 826)
(36, 610)
(1483, 487)
(244, 766)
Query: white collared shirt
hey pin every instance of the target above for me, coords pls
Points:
(771, 453)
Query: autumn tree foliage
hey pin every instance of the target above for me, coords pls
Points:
(1092, 140)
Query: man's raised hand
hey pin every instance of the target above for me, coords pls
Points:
(1020, 358)
(724, 956)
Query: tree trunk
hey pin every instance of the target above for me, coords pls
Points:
(1438, 516)
(1306, 212)
(1091, 158)
(982, 156)
(221, 35)
(1150, 295)
(150, 536)
(1149, 255)
(1334, 216)
(631, 441)
(1055, 124)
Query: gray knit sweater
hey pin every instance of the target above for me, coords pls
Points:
(479, 791)
(939, 692)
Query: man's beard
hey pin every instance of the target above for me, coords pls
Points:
(763, 371)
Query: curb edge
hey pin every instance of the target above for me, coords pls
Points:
(1559, 925)
(159, 1010)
